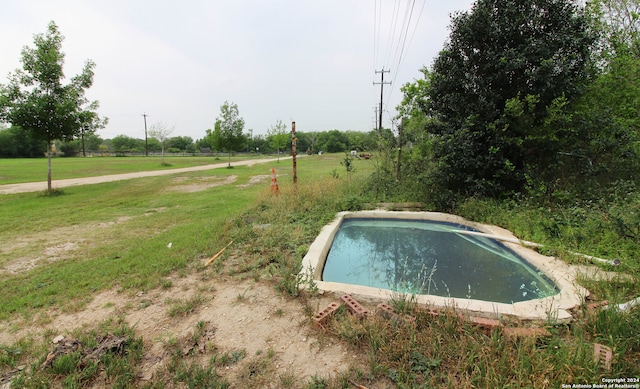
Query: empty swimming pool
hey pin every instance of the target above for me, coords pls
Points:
(443, 260)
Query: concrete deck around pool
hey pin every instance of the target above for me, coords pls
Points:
(552, 308)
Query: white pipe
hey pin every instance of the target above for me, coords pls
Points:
(628, 305)
(614, 262)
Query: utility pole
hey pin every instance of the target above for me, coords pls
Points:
(399, 148)
(146, 139)
(375, 117)
(382, 83)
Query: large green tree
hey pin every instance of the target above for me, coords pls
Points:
(231, 127)
(36, 99)
(506, 63)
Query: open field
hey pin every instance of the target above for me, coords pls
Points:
(118, 269)
(19, 170)
(100, 254)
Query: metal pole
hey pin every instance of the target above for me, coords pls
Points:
(293, 152)
(146, 139)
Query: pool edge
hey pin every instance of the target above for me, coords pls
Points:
(553, 308)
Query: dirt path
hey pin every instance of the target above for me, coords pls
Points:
(42, 185)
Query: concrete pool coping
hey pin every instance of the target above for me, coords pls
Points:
(553, 308)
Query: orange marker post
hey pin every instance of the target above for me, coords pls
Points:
(274, 182)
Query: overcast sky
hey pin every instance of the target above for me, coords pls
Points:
(312, 62)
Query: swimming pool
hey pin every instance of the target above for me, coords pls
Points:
(444, 261)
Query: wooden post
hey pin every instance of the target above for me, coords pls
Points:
(399, 149)
(293, 152)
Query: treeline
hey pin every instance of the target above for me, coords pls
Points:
(18, 143)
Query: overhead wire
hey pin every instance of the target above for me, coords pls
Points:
(403, 48)
(376, 44)
(399, 51)
(399, 39)
(392, 31)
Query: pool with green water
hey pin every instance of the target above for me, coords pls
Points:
(431, 258)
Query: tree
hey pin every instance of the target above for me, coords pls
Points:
(18, 143)
(90, 122)
(278, 137)
(313, 139)
(214, 137)
(36, 100)
(124, 144)
(93, 142)
(505, 64)
(411, 110)
(231, 127)
(618, 22)
(181, 143)
(332, 141)
(160, 131)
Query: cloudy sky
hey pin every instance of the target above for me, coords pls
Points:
(312, 62)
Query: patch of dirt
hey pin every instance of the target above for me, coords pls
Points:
(190, 185)
(240, 315)
(53, 245)
(255, 180)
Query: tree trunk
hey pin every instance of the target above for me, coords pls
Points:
(84, 154)
(49, 165)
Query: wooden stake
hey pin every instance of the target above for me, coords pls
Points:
(217, 254)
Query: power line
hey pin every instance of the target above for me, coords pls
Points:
(398, 42)
(403, 30)
(392, 33)
(376, 33)
(415, 28)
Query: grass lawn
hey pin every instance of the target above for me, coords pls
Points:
(119, 234)
(13, 171)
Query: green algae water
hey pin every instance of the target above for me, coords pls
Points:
(433, 258)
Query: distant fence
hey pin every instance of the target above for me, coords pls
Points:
(158, 154)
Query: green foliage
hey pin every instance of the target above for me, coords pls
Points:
(184, 306)
(617, 23)
(231, 125)
(214, 137)
(181, 143)
(332, 141)
(278, 137)
(347, 162)
(36, 100)
(123, 144)
(18, 143)
(193, 375)
(499, 51)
